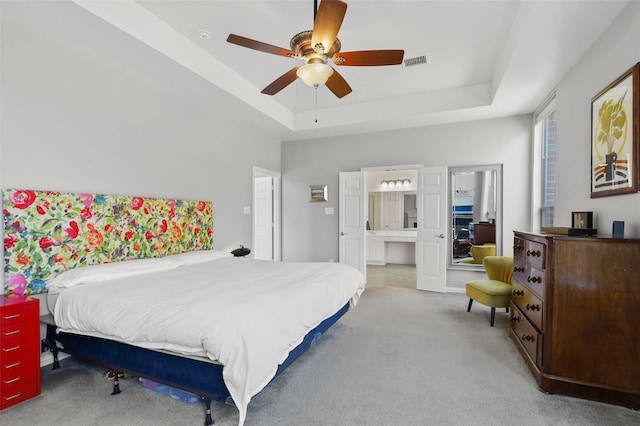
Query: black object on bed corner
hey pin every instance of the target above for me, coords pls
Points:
(242, 251)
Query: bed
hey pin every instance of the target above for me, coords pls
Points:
(170, 309)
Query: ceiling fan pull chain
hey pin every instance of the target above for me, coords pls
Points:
(316, 103)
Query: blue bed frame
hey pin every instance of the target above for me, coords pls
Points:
(198, 377)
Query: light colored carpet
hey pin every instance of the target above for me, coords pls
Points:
(402, 357)
(391, 275)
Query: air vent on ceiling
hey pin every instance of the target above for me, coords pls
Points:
(417, 60)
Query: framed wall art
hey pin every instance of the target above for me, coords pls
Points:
(318, 193)
(614, 136)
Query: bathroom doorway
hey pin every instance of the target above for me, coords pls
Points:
(429, 241)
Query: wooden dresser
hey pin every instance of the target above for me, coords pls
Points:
(19, 349)
(575, 315)
(484, 233)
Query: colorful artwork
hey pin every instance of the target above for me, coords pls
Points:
(47, 233)
(614, 138)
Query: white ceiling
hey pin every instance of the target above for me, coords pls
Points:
(485, 58)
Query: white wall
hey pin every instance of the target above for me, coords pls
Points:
(310, 235)
(613, 54)
(85, 108)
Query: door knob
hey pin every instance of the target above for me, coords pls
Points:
(342, 234)
(439, 236)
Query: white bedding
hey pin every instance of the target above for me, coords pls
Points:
(246, 314)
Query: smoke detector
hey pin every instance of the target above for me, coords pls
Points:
(204, 34)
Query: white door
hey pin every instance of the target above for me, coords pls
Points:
(266, 214)
(351, 221)
(263, 217)
(431, 241)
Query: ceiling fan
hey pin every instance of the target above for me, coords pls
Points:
(317, 47)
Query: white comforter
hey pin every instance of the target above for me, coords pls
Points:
(246, 314)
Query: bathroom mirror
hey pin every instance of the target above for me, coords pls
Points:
(475, 197)
(392, 211)
(391, 202)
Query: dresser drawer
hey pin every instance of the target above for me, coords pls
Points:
(529, 276)
(519, 248)
(526, 334)
(535, 254)
(528, 303)
(13, 314)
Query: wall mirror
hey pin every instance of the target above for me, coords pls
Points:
(475, 197)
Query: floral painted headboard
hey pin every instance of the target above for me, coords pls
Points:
(47, 233)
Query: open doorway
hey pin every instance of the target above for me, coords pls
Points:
(430, 240)
(266, 214)
(391, 225)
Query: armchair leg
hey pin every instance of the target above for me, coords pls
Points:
(493, 315)
(469, 307)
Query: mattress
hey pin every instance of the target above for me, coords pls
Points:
(246, 314)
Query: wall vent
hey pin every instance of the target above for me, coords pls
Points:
(417, 60)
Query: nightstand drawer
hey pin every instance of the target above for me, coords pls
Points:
(13, 314)
(19, 363)
(18, 337)
(19, 349)
(18, 390)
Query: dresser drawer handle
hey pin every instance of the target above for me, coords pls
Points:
(6, 382)
(528, 338)
(11, 317)
(533, 307)
(519, 269)
(12, 365)
(534, 253)
(534, 279)
(516, 318)
(11, 333)
(9, 398)
(11, 349)
(518, 293)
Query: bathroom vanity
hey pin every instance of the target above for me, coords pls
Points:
(391, 247)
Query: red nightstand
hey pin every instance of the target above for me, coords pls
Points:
(19, 349)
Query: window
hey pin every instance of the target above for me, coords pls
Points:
(545, 161)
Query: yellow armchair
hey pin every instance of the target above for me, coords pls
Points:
(496, 290)
(479, 252)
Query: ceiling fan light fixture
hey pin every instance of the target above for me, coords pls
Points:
(315, 75)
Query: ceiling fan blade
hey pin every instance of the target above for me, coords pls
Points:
(368, 58)
(327, 23)
(338, 85)
(260, 46)
(281, 82)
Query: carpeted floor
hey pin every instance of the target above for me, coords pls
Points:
(402, 357)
